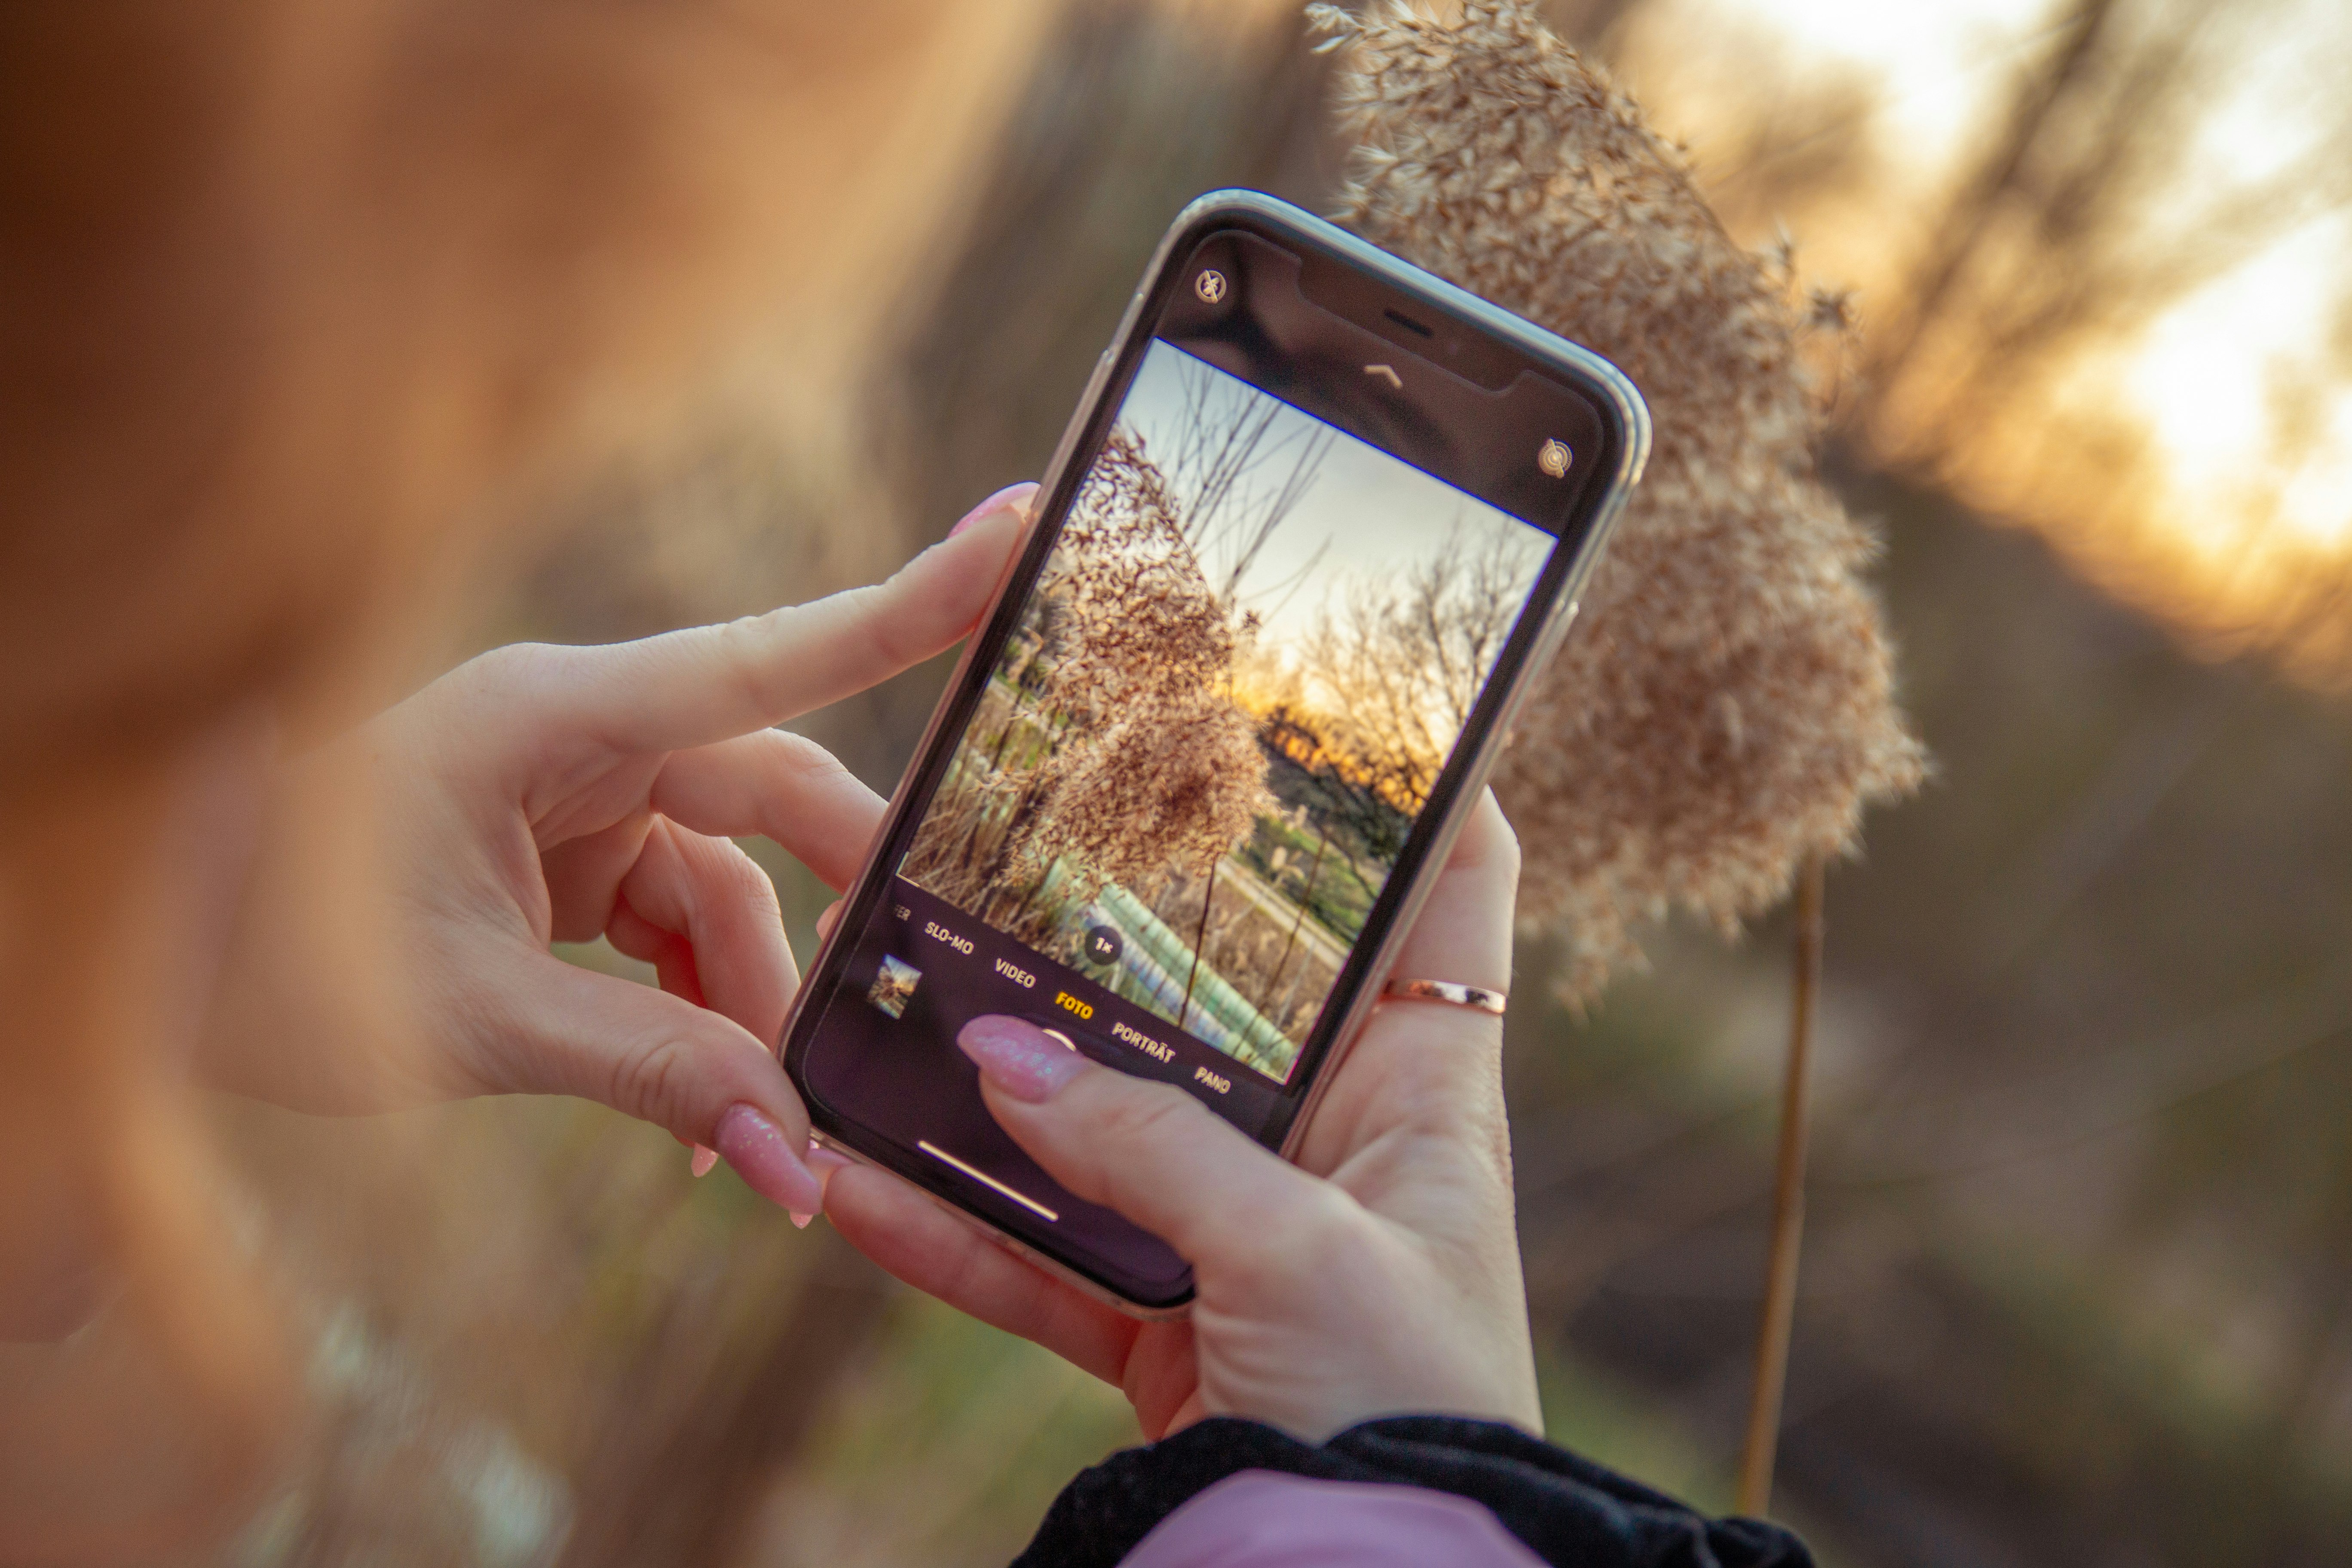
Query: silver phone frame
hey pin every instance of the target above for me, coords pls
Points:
(1633, 416)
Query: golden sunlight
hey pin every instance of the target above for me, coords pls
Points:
(2158, 380)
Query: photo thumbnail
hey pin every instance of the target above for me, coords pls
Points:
(894, 986)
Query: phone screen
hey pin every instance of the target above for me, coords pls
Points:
(1164, 822)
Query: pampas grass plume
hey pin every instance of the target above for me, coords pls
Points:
(1727, 710)
(1163, 771)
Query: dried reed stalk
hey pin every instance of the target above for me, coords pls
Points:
(1778, 1320)
(1727, 709)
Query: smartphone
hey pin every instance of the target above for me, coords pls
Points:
(1317, 522)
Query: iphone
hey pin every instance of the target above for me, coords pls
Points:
(1317, 524)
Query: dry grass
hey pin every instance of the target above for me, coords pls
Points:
(1136, 763)
(1727, 709)
(1166, 774)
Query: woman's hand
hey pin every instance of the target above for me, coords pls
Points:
(1378, 1276)
(543, 793)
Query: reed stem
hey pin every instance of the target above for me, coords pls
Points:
(1779, 1318)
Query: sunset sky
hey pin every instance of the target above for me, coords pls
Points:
(1369, 517)
(2205, 375)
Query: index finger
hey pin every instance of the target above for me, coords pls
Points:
(782, 786)
(704, 684)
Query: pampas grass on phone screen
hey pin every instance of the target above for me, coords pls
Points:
(1163, 772)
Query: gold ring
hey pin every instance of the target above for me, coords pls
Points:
(1447, 991)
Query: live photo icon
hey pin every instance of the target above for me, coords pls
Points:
(1553, 457)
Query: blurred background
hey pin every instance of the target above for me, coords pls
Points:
(2078, 1287)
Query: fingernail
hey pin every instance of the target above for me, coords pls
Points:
(755, 1147)
(800, 1221)
(701, 1161)
(1012, 498)
(1018, 1057)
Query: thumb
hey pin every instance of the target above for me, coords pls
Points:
(1147, 1150)
(709, 1080)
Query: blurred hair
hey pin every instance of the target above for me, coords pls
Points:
(295, 300)
(288, 285)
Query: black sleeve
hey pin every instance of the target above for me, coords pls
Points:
(1568, 1511)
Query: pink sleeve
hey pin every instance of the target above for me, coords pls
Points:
(1261, 1518)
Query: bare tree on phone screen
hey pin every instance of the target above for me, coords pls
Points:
(1241, 469)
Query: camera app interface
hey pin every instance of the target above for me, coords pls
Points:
(1193, 765)
(1223, 708)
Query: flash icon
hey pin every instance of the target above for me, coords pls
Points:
(1553, 457)
(1209, 286)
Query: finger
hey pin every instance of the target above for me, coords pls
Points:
(1463, 931)
(782, 786)
(583, 877)
(691, 688)
(1461, 934)
(707, 893)
(672, 956)
(1147, 1150)
(553, 1028)
(1431, 1067)
(828, 916)
(1163, 1378)
(909, 1237)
